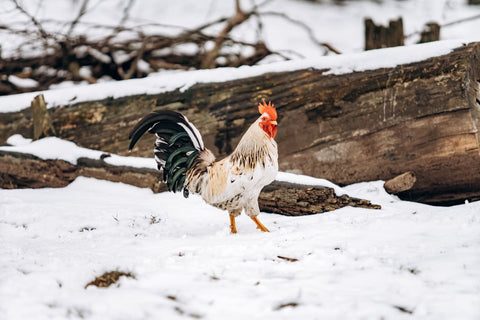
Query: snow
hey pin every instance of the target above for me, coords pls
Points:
(56, 148)
(353, 263)
(309, 181)
(24, 83)
(169, 81)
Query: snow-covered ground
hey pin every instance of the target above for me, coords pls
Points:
(405, 261)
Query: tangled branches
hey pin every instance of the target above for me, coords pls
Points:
(124, 52)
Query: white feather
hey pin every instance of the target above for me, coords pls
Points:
(194, 135)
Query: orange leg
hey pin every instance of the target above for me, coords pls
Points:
(260, 225)
(233, 228)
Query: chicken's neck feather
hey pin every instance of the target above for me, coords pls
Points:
(255, 147)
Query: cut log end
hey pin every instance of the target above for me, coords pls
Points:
(401, 183)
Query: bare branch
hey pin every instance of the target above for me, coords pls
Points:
(305, 27)
(448, 24)
(81, 13)
(238, 18)
(134, 65)
(64, 55)
(126, 14)
(42, 31)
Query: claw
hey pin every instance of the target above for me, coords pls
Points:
(259, 225)
(233, 228)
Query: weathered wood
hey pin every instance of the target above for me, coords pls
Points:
(378, 36)
(42, 124)
(431, 33)
(363, 126)
(400, 183)
(292, 199)
(20, 170)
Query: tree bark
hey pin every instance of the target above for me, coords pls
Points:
(293, 199)
(363, 126)
(20, 170)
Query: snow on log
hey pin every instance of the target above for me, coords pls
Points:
(371, 124)
(24, 170)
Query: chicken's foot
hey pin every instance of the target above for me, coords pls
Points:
(259, 225)
(233, 228)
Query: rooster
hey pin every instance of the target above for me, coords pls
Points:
(233, 183)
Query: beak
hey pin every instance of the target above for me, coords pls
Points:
(274, 122)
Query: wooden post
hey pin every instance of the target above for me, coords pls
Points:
(430, 33)
(378, 36)
(42, 123)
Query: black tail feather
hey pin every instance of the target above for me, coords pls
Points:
(164, 120)
(177, 146)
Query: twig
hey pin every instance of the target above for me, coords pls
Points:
(134, 65)
(238, 18)
(81, 13)
(62, 60)
(305, 27)
(451, 23)
(120, 27)
(448, 24)
(259, 20)
(42, 31)
(126, 14)
(288, 259)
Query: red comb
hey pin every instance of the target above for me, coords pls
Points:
(268, 108)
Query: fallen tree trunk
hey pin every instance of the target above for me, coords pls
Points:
(362, 126)
(293, 199)
(20, 170)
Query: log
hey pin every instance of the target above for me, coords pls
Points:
(293, 199)
(347, 128)
(21, 170)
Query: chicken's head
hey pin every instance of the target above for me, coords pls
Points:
(268, 120)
